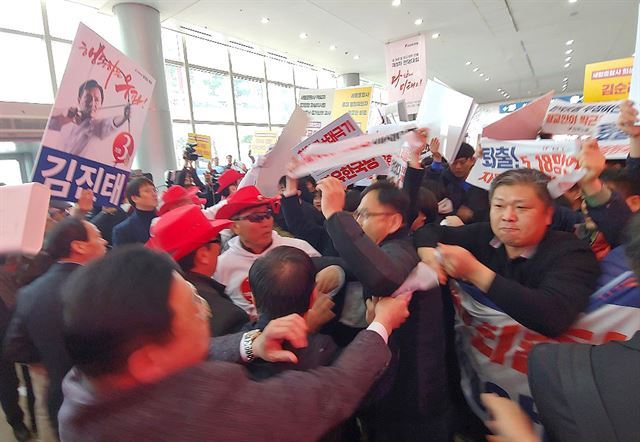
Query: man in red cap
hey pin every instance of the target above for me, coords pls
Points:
(252, 216)
(228, 183)
(178, 196)
(194, 242)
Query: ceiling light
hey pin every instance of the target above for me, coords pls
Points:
(566, 65)
(486, 79)
(356, 57)
(507, 96)
(332, 47)
(573, 1)
(567, 59)
(303, 35)
(467, 63)
(435, 35)
(418, 21)
(499, 90)
(569, 42)
(396, 2)
(481, 74)
(475, 69)
(565, 79)
(264, 20)
(568, 51)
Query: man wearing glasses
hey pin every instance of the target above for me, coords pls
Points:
(252, 216)
(374, 243)
(470, 203)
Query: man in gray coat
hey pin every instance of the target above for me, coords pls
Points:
(138, 335)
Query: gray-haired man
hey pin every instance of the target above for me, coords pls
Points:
(539, 277)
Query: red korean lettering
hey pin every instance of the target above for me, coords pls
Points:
(621, 88)
(484, 331)
(505, 342)
(608, 89)
(614, 336)
(530, 339)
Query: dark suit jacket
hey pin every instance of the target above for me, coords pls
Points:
(35, 330)
(460, 193)
(320, 351)
(419, 393)
(565, 406)
(106, 222)
(226, 317)
(134, 229)
(218, 401)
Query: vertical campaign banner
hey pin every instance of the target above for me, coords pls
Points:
(607, 80)
(95, 123)
(356, 101)
(203, 144)
(406, 63)
(318, 105)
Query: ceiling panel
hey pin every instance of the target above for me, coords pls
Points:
(519, 44)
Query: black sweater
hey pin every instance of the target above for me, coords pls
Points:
(546, 292)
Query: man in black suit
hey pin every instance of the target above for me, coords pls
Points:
(283, 283)
(34, 334)
(143, 197)
(583, 392)
(374, 243)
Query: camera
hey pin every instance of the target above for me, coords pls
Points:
(189, 153)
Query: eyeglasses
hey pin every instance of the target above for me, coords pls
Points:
(255, 217)
(204, 310)
(364, 214)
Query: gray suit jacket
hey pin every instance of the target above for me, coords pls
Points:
(216, 401)
(588, 392)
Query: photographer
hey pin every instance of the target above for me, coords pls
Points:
(188, 177)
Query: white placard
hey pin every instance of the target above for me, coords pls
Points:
(580, 118)
(554, 158)
(447, 114)
(382, 140)
(318, 104)
(23, 217)
(273, 165)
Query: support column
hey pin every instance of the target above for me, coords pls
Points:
(141, 39)
(346, 80)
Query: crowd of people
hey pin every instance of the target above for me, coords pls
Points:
(214, 312)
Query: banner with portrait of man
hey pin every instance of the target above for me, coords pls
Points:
(95, 123)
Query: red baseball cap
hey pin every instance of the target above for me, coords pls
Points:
(243, 199)
(176, 196)
(228, 178)
(182, 230)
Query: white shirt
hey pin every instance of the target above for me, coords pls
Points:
(234, 264)
(76, 140)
